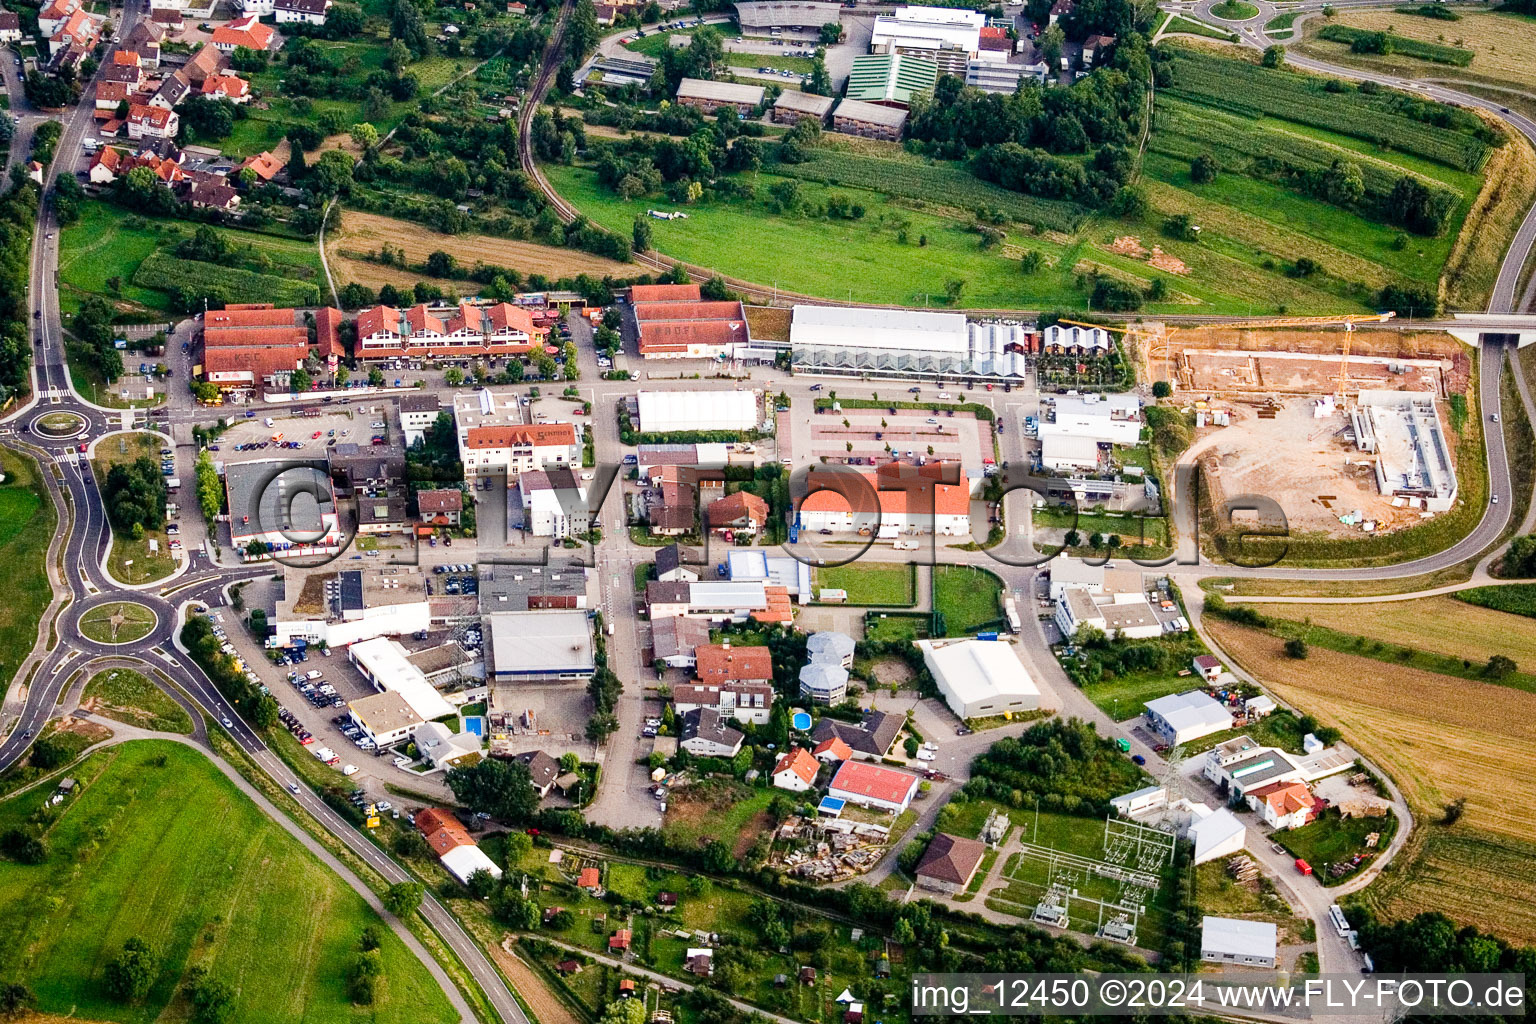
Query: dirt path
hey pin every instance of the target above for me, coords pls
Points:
(546, 1006)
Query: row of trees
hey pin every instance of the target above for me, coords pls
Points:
(18, 215)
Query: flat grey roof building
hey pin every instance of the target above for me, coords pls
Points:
(803, 102)
(871, 113)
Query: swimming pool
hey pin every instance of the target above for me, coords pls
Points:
(475, 725)
(800, 720)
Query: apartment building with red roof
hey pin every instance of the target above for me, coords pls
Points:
(248, 32)
(519, 449)
(248, 345)
(467, 330)
(682, 329)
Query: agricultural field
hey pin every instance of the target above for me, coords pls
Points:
(872, 583)
(1502, 46)
(1444, 626)
(1515, 599)
(128, 696)
(27, 519)
(1441, 738)
(130, 560)
(1359, 40)
(159, 845)
(356, 234)
(129, 261)
(967, 598)
(1256, 228)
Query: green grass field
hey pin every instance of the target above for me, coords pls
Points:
(161, 846)
(132, 622)
(129, 696)
(1253, 230)
(1331, 839)
(110, 243)
(897, 627)
(968, 598)
(872, 583)
(27, 518)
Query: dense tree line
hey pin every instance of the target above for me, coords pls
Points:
(1433, 942)
(18, 215)
(256, 707)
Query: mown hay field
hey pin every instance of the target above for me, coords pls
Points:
(1440, 624)
(1503, 45)
(1440, 738)
(367, 232)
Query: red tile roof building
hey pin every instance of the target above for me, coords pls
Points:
(796, 770)
(718, 664)
(872, 785)
(265, 165)
(469, 330)
(740, 511)
(690, 329)
(664, 293)
(146, 122)
(244, 346)
(248, 32)
(519, 449)
(442, 830)
(328, 332)
(909, 501)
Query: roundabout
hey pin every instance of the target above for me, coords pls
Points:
(59, 426)
(1235, 10)
(118, 622)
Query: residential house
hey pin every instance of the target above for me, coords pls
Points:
(452, 843)
(823, 683)
(873, 737)
(418, 412)
(620, 940)
(1283, 804)
(873, 785)
(144, 40)
(53, 14)
(213, 194)
(147, 122)
(720, 602)
(740, 513)
(104, 165)
(542, 770)
(264, 165)
(78, 32)
(796, 770)
(110, 94)
(949, 863)
(309, 12)
(724, 664)
(244, 31)
(227, 87)
(440, 507)
(745, 702)
(671, 568)
(174, 88)
(832, 750)
(674, 639)
(10, 27)
(443, 748)
(705, 734)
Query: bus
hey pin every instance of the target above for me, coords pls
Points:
(1340, 922)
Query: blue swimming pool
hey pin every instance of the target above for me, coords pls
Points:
(801, 721)
(475, 725)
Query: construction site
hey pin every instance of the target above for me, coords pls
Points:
(824, 849)
(1348, 429)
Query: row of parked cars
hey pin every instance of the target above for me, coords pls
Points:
(350, 730)
(293, 725)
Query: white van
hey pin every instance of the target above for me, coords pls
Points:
(313, 673)
(268, 421)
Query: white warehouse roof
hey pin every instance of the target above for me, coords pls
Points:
(1191, 710)
(942, 333)
(531, 642)
(970, 672)
(1238, 938)
(1213, 832)
(385, 661)
(665, 412)
(463, 861)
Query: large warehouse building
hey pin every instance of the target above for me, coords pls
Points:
(757, 17)
(667, 412)
(893, 342)
(980, 678)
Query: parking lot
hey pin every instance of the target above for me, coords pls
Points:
(914, 434)
(251, 438)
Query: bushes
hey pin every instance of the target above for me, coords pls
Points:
(1066, 763)
(1386, 43)
(135, 496)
